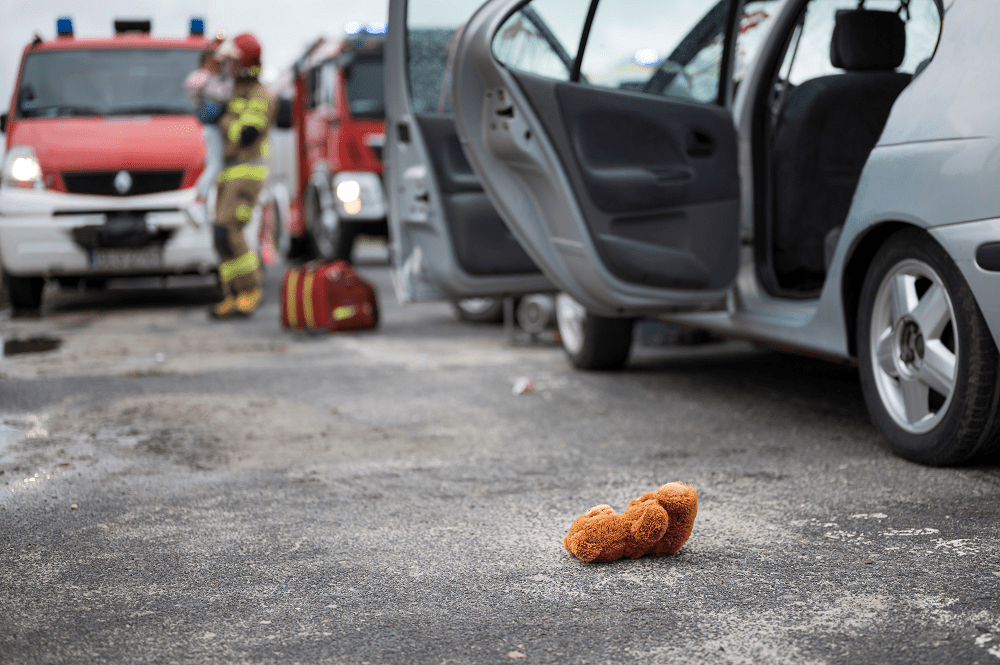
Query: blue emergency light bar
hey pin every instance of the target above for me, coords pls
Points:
(197, 27)
(64, 26)
(355, 28)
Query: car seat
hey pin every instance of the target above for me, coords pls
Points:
(827, 127)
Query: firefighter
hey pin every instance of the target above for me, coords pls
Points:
(244, 129)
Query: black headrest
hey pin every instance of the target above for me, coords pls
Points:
(864, 39)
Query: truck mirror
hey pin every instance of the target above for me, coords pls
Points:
(284, 117)
(3, 123)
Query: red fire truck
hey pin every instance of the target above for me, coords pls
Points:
(103, 150)
(339, 120)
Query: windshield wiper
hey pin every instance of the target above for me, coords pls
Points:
(59, 111)
(149, 109)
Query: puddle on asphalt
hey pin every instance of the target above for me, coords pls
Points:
(8, 435)
(13, 347)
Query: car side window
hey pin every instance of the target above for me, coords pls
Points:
(808, 56)
(542, 38)
(672, 48)
(432, 29)
(755, 25)
(675, 49)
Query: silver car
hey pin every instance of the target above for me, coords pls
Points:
(814, 174)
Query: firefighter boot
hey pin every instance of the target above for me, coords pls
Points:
(248, 301)
(224, 309)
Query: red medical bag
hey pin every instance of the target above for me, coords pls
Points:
(330, 296)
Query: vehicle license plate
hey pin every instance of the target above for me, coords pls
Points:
(126, 258)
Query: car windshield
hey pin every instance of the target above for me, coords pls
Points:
(365, 89)
(101, 82)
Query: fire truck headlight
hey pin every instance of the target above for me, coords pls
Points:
(21, 168)
(349, 191)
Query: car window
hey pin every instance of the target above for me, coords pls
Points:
(664, 47)
(755, 24)
(809, 58)
(668, 47)
(542, 37)
(431, 27)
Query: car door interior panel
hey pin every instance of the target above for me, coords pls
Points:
(652, 175)
(482, 243)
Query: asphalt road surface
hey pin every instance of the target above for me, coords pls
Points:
(179, 490)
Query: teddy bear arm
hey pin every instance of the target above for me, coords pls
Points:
(650, 524)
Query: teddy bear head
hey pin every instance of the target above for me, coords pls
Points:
(681, 503)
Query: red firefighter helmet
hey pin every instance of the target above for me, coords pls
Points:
(245, 49)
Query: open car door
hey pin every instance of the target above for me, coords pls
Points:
(448, 240)
(618, 174)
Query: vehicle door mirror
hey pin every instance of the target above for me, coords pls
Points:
(3, 123)
(284, 117)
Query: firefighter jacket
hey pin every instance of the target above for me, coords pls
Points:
(252, 107)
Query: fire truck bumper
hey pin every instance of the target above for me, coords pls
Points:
(52, 234)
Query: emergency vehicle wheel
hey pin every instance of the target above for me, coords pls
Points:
(590, 341)
(344, 245)
(25, 292)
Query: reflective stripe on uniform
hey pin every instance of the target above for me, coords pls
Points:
(241, 265)
(244, 212)
(252, 113)
(244, 172)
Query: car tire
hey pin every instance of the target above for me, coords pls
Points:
(479, 310)
(25, 292)
(592, 342)
(929, 367)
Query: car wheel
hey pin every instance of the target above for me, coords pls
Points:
(479, 310)
(25, 292)
(929, 367)
(592, 342)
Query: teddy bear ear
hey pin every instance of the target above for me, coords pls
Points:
(603, 509)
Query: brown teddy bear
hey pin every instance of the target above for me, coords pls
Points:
(656, 523)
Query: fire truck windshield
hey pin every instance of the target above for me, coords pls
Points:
(365, 92)
(102, 82)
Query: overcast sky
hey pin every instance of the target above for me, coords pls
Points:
(283, 27)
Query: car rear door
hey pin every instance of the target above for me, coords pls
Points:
(448, 240)
(620, 175)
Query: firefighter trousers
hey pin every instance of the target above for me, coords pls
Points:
(240, 267)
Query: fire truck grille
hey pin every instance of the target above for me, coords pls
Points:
(139, 182)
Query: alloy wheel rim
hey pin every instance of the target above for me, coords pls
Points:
(570, 315)
(913, 346)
